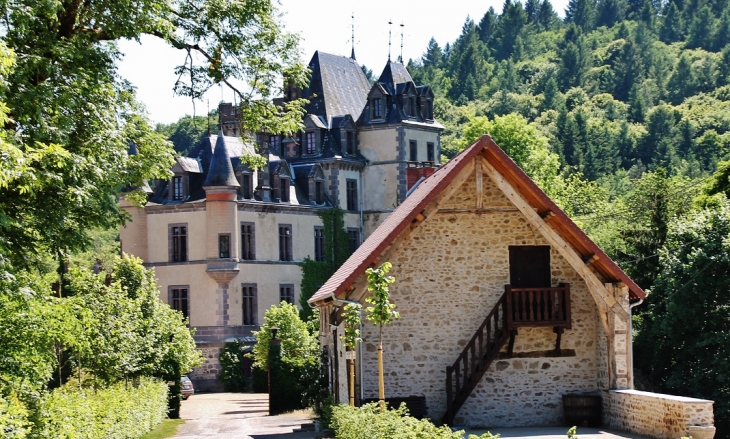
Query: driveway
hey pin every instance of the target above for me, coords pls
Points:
(246, 416)
(238, 416)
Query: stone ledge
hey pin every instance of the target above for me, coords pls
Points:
(662, 396)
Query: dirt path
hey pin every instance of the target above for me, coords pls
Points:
(237, 416)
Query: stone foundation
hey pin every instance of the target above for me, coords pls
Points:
(656, 415)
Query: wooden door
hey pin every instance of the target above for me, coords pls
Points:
(529, 266)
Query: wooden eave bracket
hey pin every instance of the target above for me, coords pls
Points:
(591, 259)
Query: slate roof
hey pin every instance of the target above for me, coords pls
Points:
(189, 164)
(220, 172)
(393, 74)
(339, 84)
(430, 188)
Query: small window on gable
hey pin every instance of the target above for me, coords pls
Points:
(350, 143)
(247, 186)
(284, 189)
(178, 188)
(319, 192)
(311, 142)
(377, 109)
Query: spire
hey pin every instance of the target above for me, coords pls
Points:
(390, 28)
(401, 42)
(220, 172)
(352, 55)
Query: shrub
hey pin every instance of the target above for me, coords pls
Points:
(231, 359)
(117, 412)
(367, 422)
(13, 418)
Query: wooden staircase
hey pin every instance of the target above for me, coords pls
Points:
(518, 307)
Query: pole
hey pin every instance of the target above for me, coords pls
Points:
(352, 381)
(381, 385)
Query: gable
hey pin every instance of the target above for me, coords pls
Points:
(515, 185)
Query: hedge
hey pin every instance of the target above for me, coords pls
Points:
(367, 422)
(118, 412)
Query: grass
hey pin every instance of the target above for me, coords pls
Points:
(166, 429)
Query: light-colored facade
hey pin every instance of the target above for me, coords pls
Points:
(455, 247)
(226, 241)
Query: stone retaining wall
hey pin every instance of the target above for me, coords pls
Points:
(654, 414)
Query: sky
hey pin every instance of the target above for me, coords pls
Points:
(324, 25)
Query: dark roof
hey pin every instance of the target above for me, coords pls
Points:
(339, 84)
(403, 216)
(220, 172)
(393, 74)
(189, 164)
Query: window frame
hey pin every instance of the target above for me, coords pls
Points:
(248, 249)
(351, 194)
(286, 251)
(284, 189)
(319, 243)
(247, 185)
(178, 188)
(177, 243)
(175, 303)
(412, 151)
(249, 304)
(224, 246)
(377, 108)
(350, 143)
(311, 142)
(431, 152)
(353, 239)
(286, 291)
(319, 191)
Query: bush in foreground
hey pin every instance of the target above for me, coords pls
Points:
(119, 411)
(367, 422)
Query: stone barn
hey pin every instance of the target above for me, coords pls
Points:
(505, 304)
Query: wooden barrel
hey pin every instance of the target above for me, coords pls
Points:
(582, 409)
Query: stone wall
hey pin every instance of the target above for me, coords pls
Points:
(656, 415)
(205, 377)
(449, 274)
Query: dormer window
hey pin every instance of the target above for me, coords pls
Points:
(246, 186)
(429, 109)
(411, 106)
(350, 143)
(377, 109)
(284, 190)
(177, 188)
(274, 144)
(311, 142)
(319, 192)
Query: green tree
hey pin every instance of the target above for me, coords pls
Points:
(671, 28)
(681, 84)
(188, 131)
(381, 313)
(683, 335)
(582, 13)
(702, 29)
(298, 344)
(352, 318)
(70, 117)
(610, 12)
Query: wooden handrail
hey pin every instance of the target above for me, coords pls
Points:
(548, 306)
(518, 307)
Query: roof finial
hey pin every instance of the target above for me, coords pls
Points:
(208, 101)
(352, 55)
(390, 27)
(401, 41)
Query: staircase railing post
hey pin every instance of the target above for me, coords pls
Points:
(508, 298)
(449, 393)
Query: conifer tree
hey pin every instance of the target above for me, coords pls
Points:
(682, 82)
(547, 17)
(671, 27)
(610, 12)
(582, 13)
(434, 55)
(701, 29)
(487, 25)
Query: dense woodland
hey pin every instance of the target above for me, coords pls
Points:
(620, 111)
